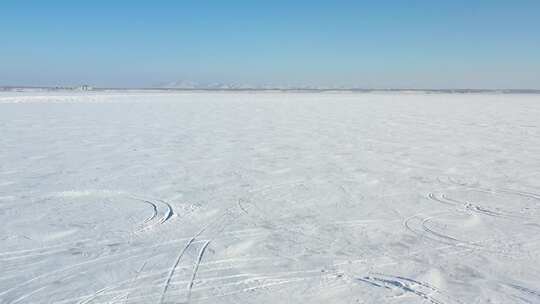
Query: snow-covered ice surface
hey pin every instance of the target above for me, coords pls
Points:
(269, 198)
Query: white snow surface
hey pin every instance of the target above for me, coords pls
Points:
(269, 198)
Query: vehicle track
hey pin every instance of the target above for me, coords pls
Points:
(161, 213)
(475, 185)
(473, 207)
(525, 290)
(413, 223)
(196, 268)
(421, 289)
(180, 255)
(122, 256)
(173, 268)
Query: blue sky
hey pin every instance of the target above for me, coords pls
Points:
(399, 43)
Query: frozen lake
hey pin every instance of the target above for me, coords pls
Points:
(269, 198)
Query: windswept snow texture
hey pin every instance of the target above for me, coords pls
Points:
(269, 198)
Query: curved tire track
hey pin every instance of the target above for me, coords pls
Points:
(161, 213)
(418, 288)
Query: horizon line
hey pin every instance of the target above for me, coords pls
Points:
(89, 88)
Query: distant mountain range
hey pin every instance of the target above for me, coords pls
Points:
(211, 86)
(218, 86)
(192, 85)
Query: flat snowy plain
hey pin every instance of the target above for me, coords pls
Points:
(131, 197)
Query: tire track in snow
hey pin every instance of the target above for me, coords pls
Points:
(241, 206)
(159, 208)
(24, 252)
(440, 199)
(473, 207)
(429, 230)
(475, 186)
(526, 194)
(135, 280)
(253, 282)
(154, 213)
(418, 224)
(168, 214)
(63, 270)
(112, 287)
(111, 290)
(420, 289)
(525, 290)
(124, 256)
(177, 261)
(173, 269)
(196, 268)
(261, 286)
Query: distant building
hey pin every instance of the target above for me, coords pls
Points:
(85, 87)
